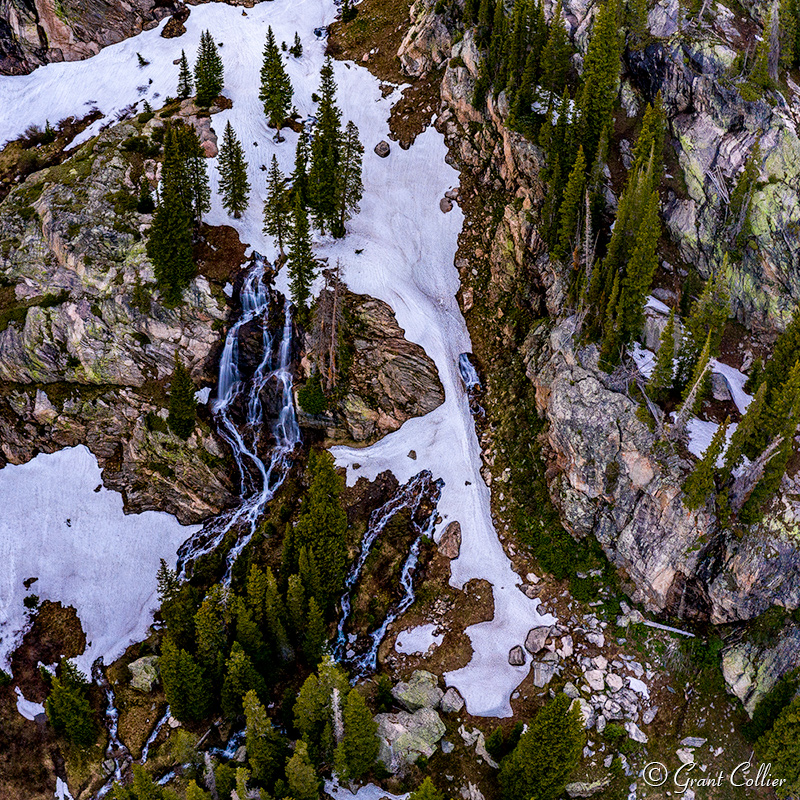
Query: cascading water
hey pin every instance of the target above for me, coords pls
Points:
(468, 372)
(154, 735)
(116, 751)
(409, 496)
(259, 481)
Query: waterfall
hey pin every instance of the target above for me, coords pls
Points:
(116, 751)
(258, 480)
(409, 496)
(154, 734)
(468, 372)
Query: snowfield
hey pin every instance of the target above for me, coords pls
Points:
(61, 526)
(407, 248)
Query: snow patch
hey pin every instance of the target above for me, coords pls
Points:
(644, 359)
(85, 551)
(202, 395)
(368, 792)
(700, 435)
(736, 381)
(27, 708)
(418, 640)
(62, 790)
(656, 305)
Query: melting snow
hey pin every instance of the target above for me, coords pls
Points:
(700, 435)
(368, 792)
(657, 305)
(736, 381)
(84, 550)
(645, 359)
(418, 640)
(62, 790)
(27, 708)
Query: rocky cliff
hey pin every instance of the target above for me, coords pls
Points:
(87, 347)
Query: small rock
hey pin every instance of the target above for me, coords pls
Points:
(600, 724)
(532, 577)
(516, 656)
(173, 723)
(447, 747)
(596, 639)
(382, 148)
(450, 541)
(649, 715)
(535, 640)
(635, 732)
(451, 194)
(719, 387)
(595, 679)
(542, 674)
(614, 682)
(693, 741)
(601, 662)
(452, 702)
(571, 691)
(686, 756)
(445, 205)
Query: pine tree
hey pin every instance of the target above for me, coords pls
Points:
(309, 574)
(555, 59)
(648, 154)
(277, 206)
(178, 606)
(276, 88)
(638, 24)
(774, 470)
(248, 633)
(600, 76)
(746, 431)
(242, 779)
(184, 685)
(696, 388)
(212, 638)
(68, 709)
(266, 748)
(780, 747)
(349, 186)
(426, 791)
(699, 486)
(357, 752)
(300, 173)
(240, 677)
(208, 71)
(195, 173)
(233, 184)
(297, 47)
(322, 526)
(185, 82)
(275, 615)
(783, 358)
(194, 792)
(301, 776)
(182, 403)
(759, 75)
(323, 176)
(660, 382)
(301, 259)
(145, 204)
(546, 754)
(296, 605)
(315, 635)
(571, 207)
(169, 246)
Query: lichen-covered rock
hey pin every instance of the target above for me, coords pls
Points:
(428, 42)
(452, 702)
(405, 737)
(420, 691)
(450, 540)
(144, 673)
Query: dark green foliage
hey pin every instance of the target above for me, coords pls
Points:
(697, 386)
(759, 75)
(357, 752)
(770, 706)
(185, 82)
(297, 46)
(747, 431)
(660, 381)
(322, 526)
(301, 258)
(571, 208)
(5, 678)
(323, 176)
(233, 184)
(184, 685)
(276, 88)
(241, 677)
(208, 71)
(225, 779)
(300, 173)
(266, 748)
(546, 755)
(495, 743)
(182, 403)
(311, 397)
(301, 776)
(143, 787)
(555, 59)
(195, 174)
(178, 606)
(780, 747)
(349, 11)
(426, 791)
(145, 204)
(169, 246)
(699, 486)
(349, 189)
(755, 505)
(277, 206)
(211, 634)
(68, 709)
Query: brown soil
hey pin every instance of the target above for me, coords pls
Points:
(218, 252)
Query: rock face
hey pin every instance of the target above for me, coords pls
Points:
(405, 737)
(86, 346)
(751, 670)
(420, 691)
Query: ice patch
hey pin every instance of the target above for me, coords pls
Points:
(418, 640)
(736, 381)
(27, 708)
(85, 551)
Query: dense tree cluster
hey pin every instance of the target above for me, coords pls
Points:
(67, 706)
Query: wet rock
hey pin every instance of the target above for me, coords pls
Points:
(516, 656)
(144, 672)
(536, 639)
(383, 149)
(405, 737)
(452, 702)
(420, 691)
(450, 541)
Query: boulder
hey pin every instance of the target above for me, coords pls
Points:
(596, 680)
(543, 673)
(450, 540)
(144, 673)
(535, 640)
(420, 691)
(635, 732)
(587, 788)
(516, 656)
(382, 149)
(446, 205)
(614, 682)
(405, 737)
(719, 387)
(452, 702)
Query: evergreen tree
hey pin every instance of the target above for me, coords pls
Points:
(699, 486)
(198, 191)
(241, 677)
(784, 355)
(555, 59)
(315, 635)
(184, 685)
(660, 381)
(169, 246)
(212, 638)
(539, 766)
(297, 47)
(233, 184)
(357, 752)
(242, 779)
(648, 154)
(276, 88)
(178, 606)
(747, 431)
(571, 207)
(780, 747)
(145, 204)
(349, 186)
(322, 526)
(248, 633)
(296, 605)
(266, 748)
(323, 176)
(208, 71)
(275, 614)
(277, 206)
(185, 82)
(309, 574)
(194, 792)
(68, 709)
(301, 259)
(300, 172)
(696, 390)
(759, 75)
(426, 791)
(182, 403)
(301, 776)
(637, 23)
(600, 76)
(143, 787)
